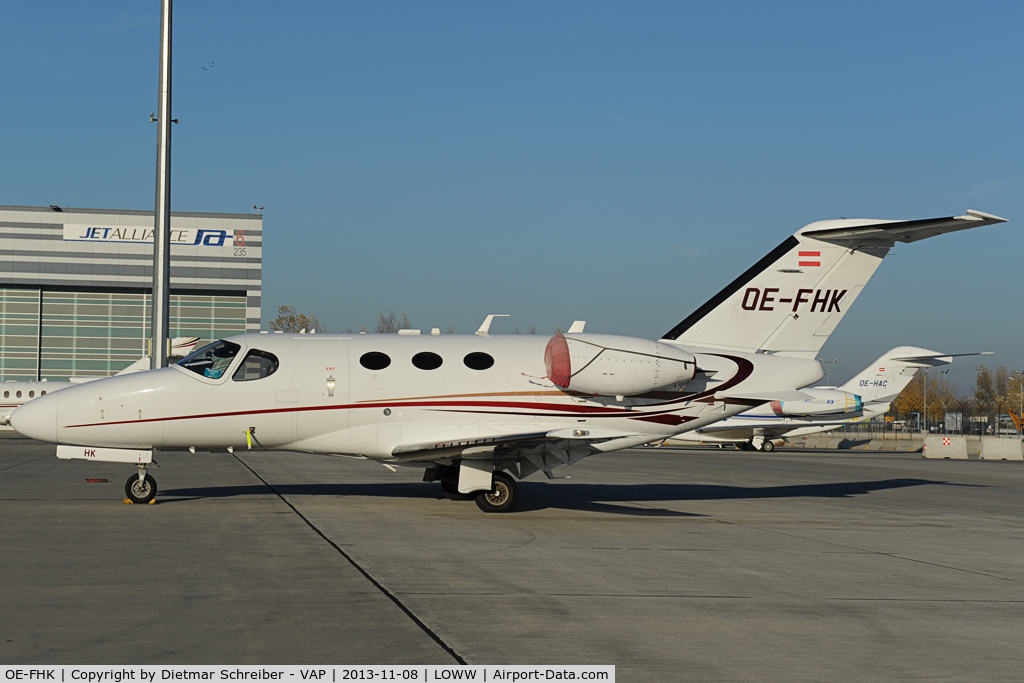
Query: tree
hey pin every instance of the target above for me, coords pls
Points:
(984, 392)
(911, 399)
(391, 323)
(289, 320)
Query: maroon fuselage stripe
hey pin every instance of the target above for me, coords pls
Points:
(743, 370)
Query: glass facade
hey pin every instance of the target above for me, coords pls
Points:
(97, 333)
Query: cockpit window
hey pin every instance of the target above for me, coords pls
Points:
(211, 361)
(257, 365)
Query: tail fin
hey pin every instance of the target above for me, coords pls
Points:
(883, 380)
(791, 300)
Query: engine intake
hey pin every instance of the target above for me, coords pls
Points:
(610, 365)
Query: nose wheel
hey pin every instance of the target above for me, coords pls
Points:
(140, 488)
(502, 497)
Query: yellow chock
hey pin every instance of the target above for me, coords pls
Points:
(127, 502)
(153, 502)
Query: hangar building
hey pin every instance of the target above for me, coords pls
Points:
(75, 286)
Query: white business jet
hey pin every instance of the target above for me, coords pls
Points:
(479, 411)
(867, 395)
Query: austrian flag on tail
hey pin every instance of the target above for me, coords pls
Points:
(810, 254)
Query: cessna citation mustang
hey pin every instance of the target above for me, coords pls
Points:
(865, 396)
(480, 411)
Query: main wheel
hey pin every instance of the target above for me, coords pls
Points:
(451, 491)
(502, 497)
(140, 491)
(767, 446)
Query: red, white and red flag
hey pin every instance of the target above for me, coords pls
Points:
(810, 254)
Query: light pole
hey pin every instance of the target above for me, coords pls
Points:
(945, 398)
(924, 400)
(162, 213)
(828, 369)
(1019, 376)
(977, 402)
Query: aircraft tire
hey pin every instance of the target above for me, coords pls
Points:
(451, 491)
(767, 446)
(140, 491)
(502, 497)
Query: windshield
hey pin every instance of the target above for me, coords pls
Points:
(211, 361)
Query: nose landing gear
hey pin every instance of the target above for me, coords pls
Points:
(140, 488)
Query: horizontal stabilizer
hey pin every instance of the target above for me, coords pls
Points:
(940, 358)
(887, 234)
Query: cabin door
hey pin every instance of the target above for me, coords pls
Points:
(321, 382)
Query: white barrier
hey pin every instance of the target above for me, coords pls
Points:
(996, 448)
(945, 447)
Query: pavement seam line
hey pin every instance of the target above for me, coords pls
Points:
(376, 584)
(24, 463)
(875, 552)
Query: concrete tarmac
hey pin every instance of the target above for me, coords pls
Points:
(671, 564)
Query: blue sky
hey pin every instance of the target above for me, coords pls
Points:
(614, 162)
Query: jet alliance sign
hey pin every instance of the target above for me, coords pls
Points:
(144, 235)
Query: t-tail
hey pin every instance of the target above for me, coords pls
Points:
(791, 300)
(882, 381)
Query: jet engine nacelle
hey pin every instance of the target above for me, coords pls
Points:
(610, 365)
(822, 402)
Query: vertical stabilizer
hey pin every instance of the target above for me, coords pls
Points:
(883, 380)
(791, 300)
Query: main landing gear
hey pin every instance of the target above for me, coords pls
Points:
(502, 497)
(765, 445)
(140, 488)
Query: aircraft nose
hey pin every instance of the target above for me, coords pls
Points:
(37, 419)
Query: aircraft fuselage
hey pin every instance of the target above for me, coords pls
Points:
(330, 394)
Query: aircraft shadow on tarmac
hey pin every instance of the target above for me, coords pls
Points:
(608, 498)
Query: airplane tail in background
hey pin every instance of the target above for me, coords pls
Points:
(882, 381)
(791, 300)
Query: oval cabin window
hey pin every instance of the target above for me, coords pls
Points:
(31, 394)
(375, 360)
(427, 360)
(7, 394)
(478, 361)
(18, 394)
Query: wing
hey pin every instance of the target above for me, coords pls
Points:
(500, 446)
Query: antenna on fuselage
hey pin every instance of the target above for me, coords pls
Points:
(486, 326)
